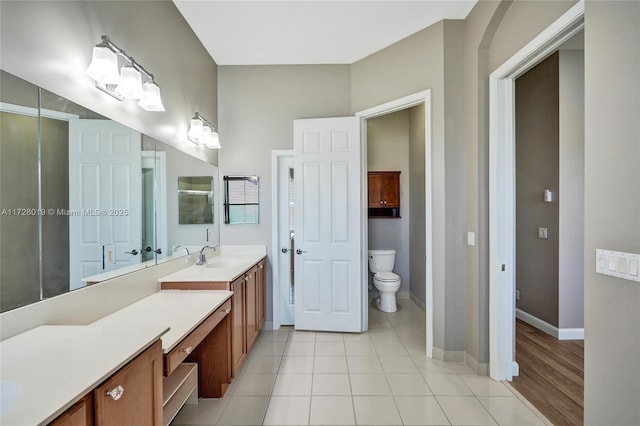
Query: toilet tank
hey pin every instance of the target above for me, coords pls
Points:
(381, 260)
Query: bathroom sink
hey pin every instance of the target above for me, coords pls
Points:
(220, 264)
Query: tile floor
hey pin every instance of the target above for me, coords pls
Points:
(381, 377)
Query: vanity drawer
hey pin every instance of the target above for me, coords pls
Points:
(174, 358)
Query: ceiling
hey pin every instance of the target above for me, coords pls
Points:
(309, 32)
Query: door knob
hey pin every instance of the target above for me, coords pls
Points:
(300, 251)
(133, 252)
(284, 250)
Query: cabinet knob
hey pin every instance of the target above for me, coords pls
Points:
(116, 393)
(261, 266)
(381, 202)
(227, 310)
(188, 350)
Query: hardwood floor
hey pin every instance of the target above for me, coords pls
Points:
(551, 374)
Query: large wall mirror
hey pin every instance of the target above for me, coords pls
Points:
(84, 199)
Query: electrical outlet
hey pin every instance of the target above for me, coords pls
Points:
(517, 294)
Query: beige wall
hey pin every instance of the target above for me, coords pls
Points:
(612, 210)
(49, 44)
(481, 23)
(432, 59)
(260, 104)
(495, 32)
(388, 150)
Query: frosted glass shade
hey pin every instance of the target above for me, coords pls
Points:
(151, 100)
(195, 130)
(104, 66)
(206, 135)
(214, 141)
(130, 83)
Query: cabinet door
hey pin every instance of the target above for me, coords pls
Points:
(133, 395)
(261, 293)
(80, 414)
(238, 348)
(374, 190)
(251, 298)
(391, 190)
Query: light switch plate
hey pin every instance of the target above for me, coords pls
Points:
(618, 264)
(471, 238)
(542, 233)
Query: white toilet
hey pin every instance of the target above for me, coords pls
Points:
(381, 264)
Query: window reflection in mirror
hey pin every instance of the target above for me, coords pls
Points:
(83, 199)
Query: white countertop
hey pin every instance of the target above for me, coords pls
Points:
(182, 311)
(47, 369)
(225, 265)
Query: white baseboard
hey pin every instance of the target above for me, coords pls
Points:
(448, 356)
(418, 302)
(551, 330)
(481, 368)
(571, 334)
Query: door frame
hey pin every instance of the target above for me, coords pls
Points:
(276, 155)
(423, 97)
(502, 364)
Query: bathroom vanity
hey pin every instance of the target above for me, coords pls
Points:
(244, 275)
(141, 363)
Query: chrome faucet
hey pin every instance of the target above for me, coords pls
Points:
(182, 247)
(202, 260)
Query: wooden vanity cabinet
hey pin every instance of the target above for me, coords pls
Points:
(252, 301)
(262, 296)
(238, 325)
(247, 308)
(80, 414)
(133, 395)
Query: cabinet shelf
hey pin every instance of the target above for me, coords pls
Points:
(177, 389)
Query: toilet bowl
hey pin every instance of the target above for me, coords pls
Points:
(388, 285)
(386, 282)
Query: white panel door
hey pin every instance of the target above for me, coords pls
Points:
(327, 224)
(105, 191)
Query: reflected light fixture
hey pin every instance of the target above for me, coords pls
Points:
(126, 84)
(201, 131)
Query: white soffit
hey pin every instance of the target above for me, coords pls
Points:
(309, 32)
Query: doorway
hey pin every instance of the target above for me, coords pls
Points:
(502, 221)
(424, 98)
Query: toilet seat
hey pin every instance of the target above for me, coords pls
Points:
(386, 277)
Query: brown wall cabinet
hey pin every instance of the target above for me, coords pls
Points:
(383, 194)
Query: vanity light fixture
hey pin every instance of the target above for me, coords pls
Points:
(126, 84)
(203, 132)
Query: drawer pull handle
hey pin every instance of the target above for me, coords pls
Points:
(116, 393)
(188, 350)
